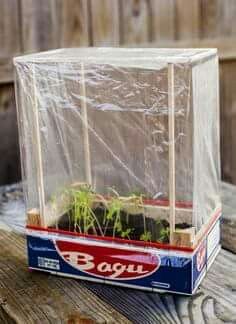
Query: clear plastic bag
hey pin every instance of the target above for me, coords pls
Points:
(120, 142)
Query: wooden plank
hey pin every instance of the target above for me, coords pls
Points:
(226, 18)
(9, 37)
(74, 23)
(162, 19)
(135, 18)
(215, 294)
(171, 143)
(208, 18)
(27, 297)
(40, 25)
(33, 217)
(218, 18)
(9, 28)
(33, 297)
(105, 23)
(84, 114)
(187, 19)
(4, 317)
(6, 70)
(184, 237)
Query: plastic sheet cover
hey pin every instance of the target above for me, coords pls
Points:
(94, 129)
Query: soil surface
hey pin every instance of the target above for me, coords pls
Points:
(135, 224)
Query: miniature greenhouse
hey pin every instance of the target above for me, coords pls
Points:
(120, 145)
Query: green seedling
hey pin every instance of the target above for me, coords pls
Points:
(146, 236)
(112, 214)
(164, 231)
(81, 202)
(126, 233)
(80, 206)
(165, 234)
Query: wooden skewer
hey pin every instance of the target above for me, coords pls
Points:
(85, 127)
(38, 154)
(171, 128)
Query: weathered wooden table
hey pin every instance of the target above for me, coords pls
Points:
(33, 297)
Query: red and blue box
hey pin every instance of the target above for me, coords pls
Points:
(146, 266)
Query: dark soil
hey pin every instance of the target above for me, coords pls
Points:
(158, 229)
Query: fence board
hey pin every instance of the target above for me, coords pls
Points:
(228, 120)
(6, 70)
(226, 19)
(218, 18)
(187, 19)
(9, 37)
(208, 18)
(105, 23)
(9, 28)
(74, 23)
(135, 17)
(40, 25)
(163, 19)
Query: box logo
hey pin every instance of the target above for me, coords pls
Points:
(108, 262)
(201, 257)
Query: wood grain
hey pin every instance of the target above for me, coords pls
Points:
(105, 23)
(213, 303)
(135, 18)
(187, 19)
(6, 70)
(9, 28)
(37, 298)
(10, 37)
(218, 18)
(40, 25)
(162, 20)
(74, 23)
(42, 298)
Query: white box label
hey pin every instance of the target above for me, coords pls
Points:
(213, 239)
(48, 263)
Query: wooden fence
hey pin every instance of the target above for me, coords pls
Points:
(34, 25)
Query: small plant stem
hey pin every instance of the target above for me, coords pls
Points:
(98, 224)
(80, 231)
(85, 213)
(116, 222)
(94, 230)
(105, 229)
(69, 220)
